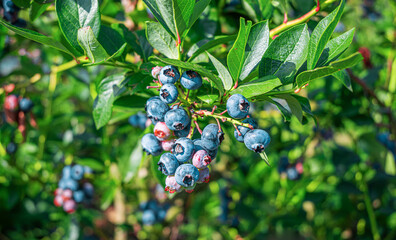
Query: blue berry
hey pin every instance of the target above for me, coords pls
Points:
(292, 173)
(88, 189)
(238, 106)
(187, 175)
(244, 130)
(148, 217)
(177, 119)
(183, 149)
(151, 145)
(138, 120)
(191, 80)
(184, 132)
(161, 214)
(212, 136)
(25, 104)
(78, 196)
(66, 172)
(168, 164)
(169, 93)
(11, 148)
(198, 145)
(257, 140)
(70, 184)
(169, 74)
(156, 109)
(77, 172)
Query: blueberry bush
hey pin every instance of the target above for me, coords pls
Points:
(197, 119)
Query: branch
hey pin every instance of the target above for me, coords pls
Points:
(301, 19)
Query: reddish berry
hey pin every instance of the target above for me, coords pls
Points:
(161, 131)
(167, 145)
(58, 200)
(58, 191)
(201, 159)
(67, 194)
(204, 175)
(11, 103)
(69, 206)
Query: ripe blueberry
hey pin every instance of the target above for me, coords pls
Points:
(78, 196)
(71, 184)
(257, 140)
(292, 173)
(25, 105)
(169, 74)
(204, 175)
(187, 175)
(168, 164)
(184, 132)
(243, 130)
(171, 185)
(11, 148)
(191, 80)
(212, 137)
(169, 93)
(198, 145)
(151, 145)
(77, 172)
(177, 119)
(161, 131)
(238, 106)
(66, 172)
(88, 189)
(148, 217)
(156, 109)
(183, 149)
(138, 120)
(201, 159)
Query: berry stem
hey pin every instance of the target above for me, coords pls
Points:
(223, 112)
(188, 93)
(205, 113)
(239, 133)
(197, 126)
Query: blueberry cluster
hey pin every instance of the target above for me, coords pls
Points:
(153, 212)
(188, 160)
(72, 188)
(15, 104)
(138, 120)
(291, 171)
(10, 13)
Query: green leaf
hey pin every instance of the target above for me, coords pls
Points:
(236, 55)
(115, 55)
(293, 104)
(153, 6)
(95, 164)
(108, 90)
(92, 48)
(199, 7)
(258, 87)
(286, 54)
(285, 112)
(110, 39)
(132, 167)
(263, 155)
(257, 44)
(304, 102)
(321, 35)
(37, 9)
(44, 1)
(76, 14)
(210, 44)
(130, 101)
(208, 98)
(160, 39)
(222, 71)
(198, 68)
(147, 49)
(335, 47)
(343, 77)
(37, 37)
(22, 3)
(182, 11)
(309, 75)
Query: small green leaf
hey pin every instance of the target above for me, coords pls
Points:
(153, 6)
(37, 37)
(108, 90)
(110, 40)
(321, 35)
(294, 105)
(130, 101)
(76, 14)
(236, 55)
(115, 55)
(222, 71)
(285, 112)
(182, 11)
(199, 7)
(343, 77)
(198, 68)
(36, 10)
(286, 54)
(95, 164)
(210, 44)
(263, 155)
(160, 39)
(256, 45)
(92, 48)
(309, 75)
(209, 98)
(335, 47)
(258, 87)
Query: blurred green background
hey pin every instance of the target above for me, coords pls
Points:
(345, 155)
